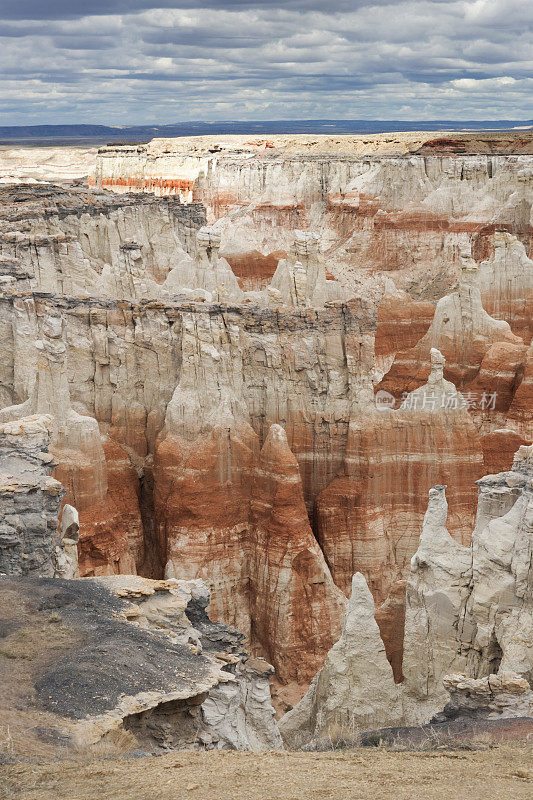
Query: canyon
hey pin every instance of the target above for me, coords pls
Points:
(244, 364)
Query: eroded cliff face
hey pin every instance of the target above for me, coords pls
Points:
(89, 244)
(31, 499)
(273, 426)
(377, 205)
(468, 646)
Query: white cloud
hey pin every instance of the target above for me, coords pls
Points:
(402, 60)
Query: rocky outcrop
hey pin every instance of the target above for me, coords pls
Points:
(368, 520)
(81, 463)
(437, 590)
(402, 322)
(125, 654)
(235, 516)
(296, 609)
(239, 715)
(502, 539)
(503, 696)
(469, 609)
(463, 332)
(300, 279)
(355, 688)
(506, 284)
(92, 245)
(468, 651)
(30, 539)
(201, 470)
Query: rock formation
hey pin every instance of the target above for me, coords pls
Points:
(124, 654)
(506, 284)
(258, 384)
(354, 689)
(463, 332)
(296, 624)
(407, 216)
(300, 279)
(368, 520)
(81, 467)
(235, 516)
(468, 628)
(502, 696)
(437, 590)
(469, 609)
(30, 540)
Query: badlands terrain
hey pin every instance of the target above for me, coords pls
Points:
(266, 414)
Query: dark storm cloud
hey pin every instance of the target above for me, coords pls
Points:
(202, 39)
(65, 9)
(123, 61)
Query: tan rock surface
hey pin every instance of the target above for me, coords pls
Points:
(355, 688)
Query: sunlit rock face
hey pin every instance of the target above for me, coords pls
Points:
(405, 216)
(257, 385)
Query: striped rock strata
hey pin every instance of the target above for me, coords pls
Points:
(407, 216)
(468, 648)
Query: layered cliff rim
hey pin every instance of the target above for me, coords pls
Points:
(441, 142)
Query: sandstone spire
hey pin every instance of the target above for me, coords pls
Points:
(355, 688)
(437, 590)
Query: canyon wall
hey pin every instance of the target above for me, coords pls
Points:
(468, 647)
(390, 209)
(272, 424)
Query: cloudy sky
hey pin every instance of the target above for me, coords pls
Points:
(163, 61)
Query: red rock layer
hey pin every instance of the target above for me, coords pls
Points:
(402, 322)
(319, 443)
(159, 186)
(237, 519)
(369, 520)
(111, 531)
(500, 374)
(517, 311)
(202, 509)
(520, 414)
(390, 617)
(283, 212)
(296, 609)
(464, 352)
(499, 448)
(254, 271)
(395, 238)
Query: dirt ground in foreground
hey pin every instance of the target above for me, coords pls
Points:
(504, 772)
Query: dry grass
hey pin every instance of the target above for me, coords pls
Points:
(32, 642)
(504, 772)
